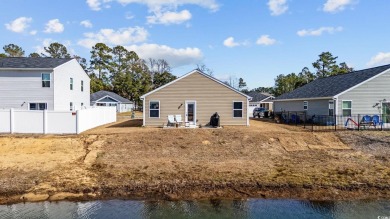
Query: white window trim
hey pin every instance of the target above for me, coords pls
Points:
(242, 114)
(329, 108)
(342, 107)
(307, 105)
(45, 80)
(159, 109)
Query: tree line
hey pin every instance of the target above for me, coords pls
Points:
(114, 69)
(123, 72)
(325, 66)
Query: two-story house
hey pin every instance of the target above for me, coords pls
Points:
(43, 83)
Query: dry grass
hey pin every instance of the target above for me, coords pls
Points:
(143, 161)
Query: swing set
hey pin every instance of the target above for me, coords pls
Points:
(352, 121)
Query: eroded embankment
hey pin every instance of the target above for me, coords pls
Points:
(265, 160)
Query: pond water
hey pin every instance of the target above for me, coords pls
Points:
(252, 208)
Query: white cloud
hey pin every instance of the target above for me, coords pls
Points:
(169, 17)
(153, 4)
(277, 7)
(86, 23)
(336, 5)
(54, 26)
(33, 32)
(94, 5)
(175, 57)
(123, 36)
(265, 40)
(319, 31)
(381, 58)
(156, 4)
(19, 24)
(229, 42)
(162, 11)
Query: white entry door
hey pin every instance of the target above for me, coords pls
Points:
(190, 114)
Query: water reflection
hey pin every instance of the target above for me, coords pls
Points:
(253, 208)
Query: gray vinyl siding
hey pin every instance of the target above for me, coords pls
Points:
(19, 88)
(209, 95)
(366, 95)
(315, 107)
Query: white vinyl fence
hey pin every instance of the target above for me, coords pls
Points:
(55, 122)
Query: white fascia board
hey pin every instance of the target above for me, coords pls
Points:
(108, 97)
(265, 99)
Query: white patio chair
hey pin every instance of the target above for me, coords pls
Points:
(179, 120)
(171, 120)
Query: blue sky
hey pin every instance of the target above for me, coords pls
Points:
(252, 39)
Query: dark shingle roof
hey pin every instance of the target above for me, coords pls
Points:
(257, 97)
(100, 94)
(29, 62)
(333, 85)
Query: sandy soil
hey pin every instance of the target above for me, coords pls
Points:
(124, 160)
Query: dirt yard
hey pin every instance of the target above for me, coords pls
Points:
(124, 160)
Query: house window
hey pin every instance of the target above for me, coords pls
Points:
(154, 109)
(305, 105)
(71, 83)
(71, 106)
(38, 106)
(45, 79)
(347, 108)
(331, 107)
(237, 109)
(82, 86)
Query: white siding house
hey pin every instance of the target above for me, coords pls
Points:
(43, 83)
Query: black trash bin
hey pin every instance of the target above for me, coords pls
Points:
(214, 120)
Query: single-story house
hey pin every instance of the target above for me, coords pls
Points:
(43, 83)
(107, 98)
(263, 100)
(359, 92)
(195, 96)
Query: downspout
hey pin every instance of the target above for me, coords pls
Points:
(247, 110)
(143, 112)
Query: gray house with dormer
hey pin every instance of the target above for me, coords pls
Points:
(107, 98)
(359, 92)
